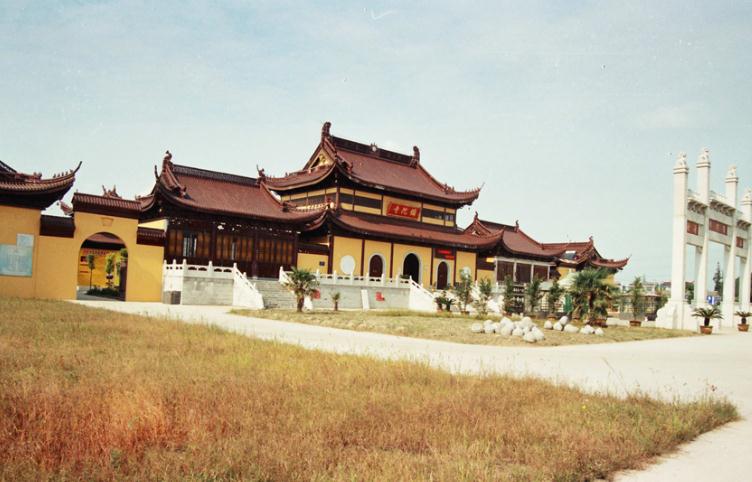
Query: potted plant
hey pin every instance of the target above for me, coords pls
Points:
(743, 326)
(448, 302)
(440, 301)
(335, 299)
(636, 293)
(707, 313)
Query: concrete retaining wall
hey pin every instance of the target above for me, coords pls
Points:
(381, 297)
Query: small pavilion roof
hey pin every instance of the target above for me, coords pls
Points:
(32, 190)
(573, 254)
(371, 166)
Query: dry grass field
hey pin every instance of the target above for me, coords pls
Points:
(96, 395)
(454, 327)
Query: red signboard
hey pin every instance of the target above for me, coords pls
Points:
(441, 253)
(403, 211)
(379, 296)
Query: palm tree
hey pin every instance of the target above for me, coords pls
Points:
(636, 295)
(335, 299)
(302, 283)
(591, 293)
(534, 294)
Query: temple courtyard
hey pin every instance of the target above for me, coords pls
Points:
(683, 369)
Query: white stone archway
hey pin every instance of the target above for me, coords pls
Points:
(699, 218)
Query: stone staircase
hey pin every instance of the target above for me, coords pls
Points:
(275, 295)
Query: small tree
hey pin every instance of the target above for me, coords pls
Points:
(718, 280)
(485, 291)
(335, 298)
(90, 263)
(534, 294)
(302, 283)
(509, 303)
(109, 267)
(554, 294)
(690, 292)
(636, 296)
(464, 291)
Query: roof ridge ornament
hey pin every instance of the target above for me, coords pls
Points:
(681, 161)
(747, 196)
(704, 159)
(731, 173)
(325, 129)
(112, 193)
(416, 157)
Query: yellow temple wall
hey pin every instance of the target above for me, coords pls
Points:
(465, 260)
(98, 276)
(377, 247)
(56, 260)
(424, 255)
(19, 221)
(311, 262)
(346, 247)
(485, 274)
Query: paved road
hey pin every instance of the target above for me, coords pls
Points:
(681, 368)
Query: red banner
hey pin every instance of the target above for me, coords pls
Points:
(403, 211)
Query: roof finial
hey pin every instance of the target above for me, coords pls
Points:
(168, 156)
(261, 172)
(416, 154)
(325, 129)
(110, 192)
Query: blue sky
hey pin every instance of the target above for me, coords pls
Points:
(570, 113)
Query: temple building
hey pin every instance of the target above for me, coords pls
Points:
(354, 210)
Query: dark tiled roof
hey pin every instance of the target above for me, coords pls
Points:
(415, 231)
(107, 205)
(32, 190)
(216, 192)
(373, 167)
(516, 241)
